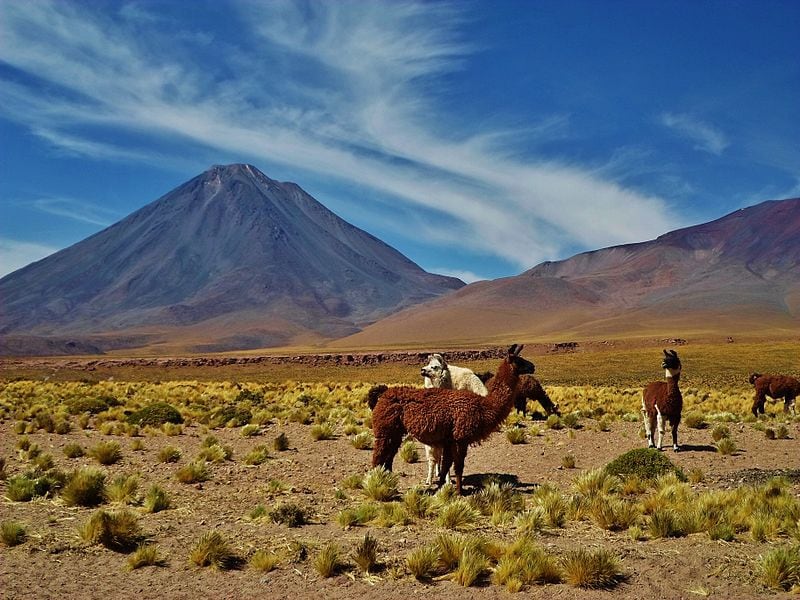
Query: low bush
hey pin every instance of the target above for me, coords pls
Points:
(12, 533)
(85, 487)
(211, 550)
(645, 463)
(290, 514)
(115, 530)
(155, 415)
(106, 453)
(597, 568)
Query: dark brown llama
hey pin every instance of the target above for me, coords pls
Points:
(662, 400)
(528, 388)
(450, 419)
(774, 386)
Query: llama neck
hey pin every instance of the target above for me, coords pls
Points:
(500, 401)
(673, 377)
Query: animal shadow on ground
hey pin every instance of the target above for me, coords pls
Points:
(477, 481)
(698, 448)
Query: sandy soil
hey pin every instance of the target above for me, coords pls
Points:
(55, 563)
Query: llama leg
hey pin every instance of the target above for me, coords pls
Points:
(788, 405)
(660, 421)
(460, 455)
(758, 403)
(384, 450)
(675, 446)
(447, 462)
(648, 425)
(431, 464)
(433, 454)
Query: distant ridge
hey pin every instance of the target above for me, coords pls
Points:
(229, 260)
(737, 275)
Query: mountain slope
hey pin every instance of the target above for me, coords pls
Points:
(230, 259)
(737, 275)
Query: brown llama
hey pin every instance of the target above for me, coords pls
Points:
(662, 400)
(774, 386)
(440, 417)
(528, 388)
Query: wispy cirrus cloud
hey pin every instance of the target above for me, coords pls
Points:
(705, 136)
(465, 276)
(348, 91)
(77, 210)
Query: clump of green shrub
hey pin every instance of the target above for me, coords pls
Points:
(114, 530)
(73, 450)
(327, 562)
(719, 432)
(408, 452)
(780, 567)
(231, 416)
(211, 550)
(146, 555)
(726, 446)
(281, 442)
(290, 514)
(169, 454)
(194, 472)
(257, 455)
(25, 487)
(12, 533)
(85, 487)
(156, 500)
(380, 484)
(644, 463)
(106, 453)
(597, 568)
(155, 415)
(516, 435)
(695, 420)
(93, 406)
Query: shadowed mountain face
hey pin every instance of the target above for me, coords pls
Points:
(228, 260)
(737, 275)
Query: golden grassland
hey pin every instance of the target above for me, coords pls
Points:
(708, 365)
(493, 537)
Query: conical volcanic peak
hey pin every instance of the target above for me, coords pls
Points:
(229, 259)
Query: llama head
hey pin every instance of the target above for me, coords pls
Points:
(753, 377)
(435, 369)
(519, 364)
(671, 363)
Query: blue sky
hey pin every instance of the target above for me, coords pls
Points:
(478, 138)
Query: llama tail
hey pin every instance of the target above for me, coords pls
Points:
(374, 394)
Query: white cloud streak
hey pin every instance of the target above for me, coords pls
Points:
(465, 276)
(76, 210)
(15, 254)
(366, 111)
(706, 137)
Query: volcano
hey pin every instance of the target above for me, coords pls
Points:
(229, 260)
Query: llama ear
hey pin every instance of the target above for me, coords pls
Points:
(666, 353)
(519, 349)
(512, 349)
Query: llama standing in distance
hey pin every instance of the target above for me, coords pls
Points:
(662, 400)
(528, 388)
(774, 386)
(451, 419)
